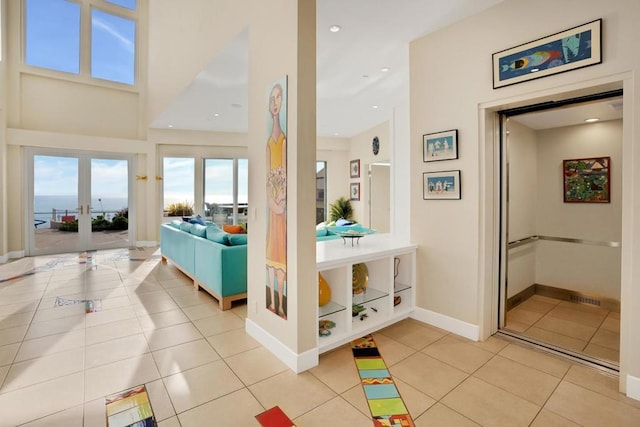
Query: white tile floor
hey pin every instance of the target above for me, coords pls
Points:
(202, 369)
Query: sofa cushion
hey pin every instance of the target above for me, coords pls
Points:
(175, 223)
(199, 230)
(215, 234)
(320, 232)
(185, 226)
(237, 239)
(233, 229)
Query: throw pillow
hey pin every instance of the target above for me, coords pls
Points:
(197, 220)
(216, 235)
(237, 239)
(198, 230)
(232, 229)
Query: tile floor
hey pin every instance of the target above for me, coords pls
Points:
(201, 369)
(582, 328)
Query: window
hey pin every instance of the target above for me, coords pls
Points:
(57, 38)
(178, 186)
(226, 190)
(321, 192)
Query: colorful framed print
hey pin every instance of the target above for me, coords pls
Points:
(587, 180)
(354, 168)
(564, 51)
(440, 146)
(441, 185)
(354, 191)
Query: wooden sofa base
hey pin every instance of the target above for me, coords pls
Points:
(224, 302)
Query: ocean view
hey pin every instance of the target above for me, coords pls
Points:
(68, 205)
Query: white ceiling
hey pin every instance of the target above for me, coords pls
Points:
(375, 34)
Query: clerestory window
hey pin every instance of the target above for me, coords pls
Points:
(97, 38)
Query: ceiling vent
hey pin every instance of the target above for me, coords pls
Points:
(616, 105)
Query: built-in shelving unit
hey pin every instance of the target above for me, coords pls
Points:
(391, 273)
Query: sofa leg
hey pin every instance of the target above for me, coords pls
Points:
(225, 304)
(163, 259)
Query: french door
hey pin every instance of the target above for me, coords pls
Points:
(77, 201)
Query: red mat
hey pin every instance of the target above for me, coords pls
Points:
(274, 417)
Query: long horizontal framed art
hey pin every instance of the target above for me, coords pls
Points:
(441, 185)
(564, 51)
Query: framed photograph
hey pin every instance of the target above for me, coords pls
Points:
(354, 168)
(564, 51)
(586, 180)
(354, 191)
(440, 146)
(441, 185)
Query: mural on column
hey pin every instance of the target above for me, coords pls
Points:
(277, 198)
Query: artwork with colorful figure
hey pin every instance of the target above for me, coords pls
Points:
(276, 252)
(573, 48)
(586, 180)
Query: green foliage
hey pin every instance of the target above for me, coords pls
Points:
(180, 209)
(341, 208)
(100, 223)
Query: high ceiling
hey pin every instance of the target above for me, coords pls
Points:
(354, 93)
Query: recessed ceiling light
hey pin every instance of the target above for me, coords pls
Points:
(335, 28)
(591, 120)
(365, 76)
(169, 126)
(216, 114)
(384, 69)
(374, 106)
(336, 134)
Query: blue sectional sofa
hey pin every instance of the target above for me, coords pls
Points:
(215, 260)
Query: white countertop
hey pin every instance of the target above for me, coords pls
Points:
(333, 253)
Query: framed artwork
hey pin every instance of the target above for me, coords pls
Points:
(587, 180)
(441, 185)
(354, 168)
(354, 191)
(440, 146)
(564, 51)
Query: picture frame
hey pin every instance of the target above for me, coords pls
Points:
(567, 50)
(443, 185)
(354, 168)
(440, 146)
(587, 180)
(354, 191)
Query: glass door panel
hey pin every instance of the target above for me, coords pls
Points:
(109, 207)
(54, 210)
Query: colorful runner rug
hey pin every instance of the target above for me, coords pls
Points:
(386, 404)
(274, 417)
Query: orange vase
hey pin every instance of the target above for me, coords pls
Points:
(324, 291)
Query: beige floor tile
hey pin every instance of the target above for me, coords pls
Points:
(118, 376)
(296, 394)
(224, 321)
(614, 315)
(170, 422)
(110, 316)
(6, 310)
(542, 298)
(356, 398)
(416, 401)
(160, 401)
(8, 353)
(429, 375)
(115, 350)
(458, 353)
(493, 344)
(156, 295)
(24, 374)
(95, 413)
(200, 311)
(566, 327)
(556, 339)
(512, 325)
(232, 342)
(440, 415)
(235, 409)
(548, 419)
(172, 335)
(523, 381)
(599, 382)
(579, 314)
(42, 399)
(155, 307)
(602, 353)
(521, 315)
(200, 385)
(111, 331)
(25, 298)
(536, 359)
(162, 320)
(4, 370)
(182, 357)
(612, 322)
(115, 302)
(72, 417)
(588, 408)
(182, 291)
(337, 412)
(240, 309)
(489, 405)
(337, 369)
(16, 319)
(255, 365)
(43, 315)
(50, 344)
(607, 338)
(12, 335)
(189, 300)
(412, 333)
(391, 350)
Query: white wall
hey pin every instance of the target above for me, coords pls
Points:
(451, 87)
(590, 269)
(522, 148)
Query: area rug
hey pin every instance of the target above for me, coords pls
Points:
(274, 417)
(130, 408)
(385, 403)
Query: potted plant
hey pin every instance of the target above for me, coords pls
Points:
(341, 208)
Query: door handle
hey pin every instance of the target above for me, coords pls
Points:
(80, 210)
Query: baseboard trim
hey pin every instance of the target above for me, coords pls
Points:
(451, 324)
(11, 255)
(564, 295)
(296, 362)
(146, 244)
(633, 387)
